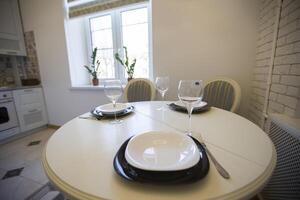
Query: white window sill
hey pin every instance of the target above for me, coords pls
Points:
(90, 87)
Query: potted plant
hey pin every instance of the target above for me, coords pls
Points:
(125, 63)
(93, 68)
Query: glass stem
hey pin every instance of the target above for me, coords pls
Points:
(114, 105)
(163, 99)
(190, 110)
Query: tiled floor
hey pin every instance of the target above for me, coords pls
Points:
(17, 154)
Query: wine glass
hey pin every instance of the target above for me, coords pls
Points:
(190, 93)
(113, 90)
(162, 85)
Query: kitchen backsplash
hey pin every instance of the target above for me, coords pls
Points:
(31, 64)
(27, 67)
(6, 71)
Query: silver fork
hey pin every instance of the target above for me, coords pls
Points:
(218, 166)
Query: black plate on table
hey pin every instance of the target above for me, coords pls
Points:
(190, 175)
(178, 108)
(99, 115)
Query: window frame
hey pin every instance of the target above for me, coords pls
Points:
(116, 26)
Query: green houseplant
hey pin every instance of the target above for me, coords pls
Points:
(125, 63)
(93, 68)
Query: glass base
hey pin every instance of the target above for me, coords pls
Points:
(188, 133)
(116, 121)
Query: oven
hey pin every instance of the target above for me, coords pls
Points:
(9, 124)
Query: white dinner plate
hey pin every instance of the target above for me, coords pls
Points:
(109, 109)
(200, 105)
(162, 151)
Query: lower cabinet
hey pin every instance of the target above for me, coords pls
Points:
(30, 108)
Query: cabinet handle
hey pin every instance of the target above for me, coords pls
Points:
(33, 110)
(7, 101)
(11, 52)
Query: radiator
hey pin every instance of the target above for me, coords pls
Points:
(285, 181)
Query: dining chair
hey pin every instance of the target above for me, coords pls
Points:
(223, 93)
(139, 89)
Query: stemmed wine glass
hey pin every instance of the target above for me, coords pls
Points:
(162, 85)
(190, 93)
(113, 90)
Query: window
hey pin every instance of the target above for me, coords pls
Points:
(110, 31)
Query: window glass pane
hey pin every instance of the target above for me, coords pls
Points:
(101, 33)
(98, 23)
(102, 39)
(134, 16)
(135, 38)
(106, 68)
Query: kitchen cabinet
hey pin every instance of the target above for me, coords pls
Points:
(11, 31)
(30, 108)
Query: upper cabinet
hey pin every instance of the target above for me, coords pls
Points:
(11, 31)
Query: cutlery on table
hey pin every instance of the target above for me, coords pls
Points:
(218, 166)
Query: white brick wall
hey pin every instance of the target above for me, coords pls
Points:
(285, 87)
(295, 69)
(264, 47)
(287, 59)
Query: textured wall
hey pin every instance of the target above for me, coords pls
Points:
(284, 91)
(285, 86)
(13, 68)
(31, 65)
(6, 71)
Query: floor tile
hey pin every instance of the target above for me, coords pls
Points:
(25, 188)
(9, 186)
(13, 162)
(17, 154)
(51, 195)
(33, 155)
(34, 171)
(7, 150)
(2, 173)
(13, 172)
(32, 143)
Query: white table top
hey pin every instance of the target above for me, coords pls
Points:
(78, 158)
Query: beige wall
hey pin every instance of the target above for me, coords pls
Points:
(46, 19)
(191, 39)
(203, 39)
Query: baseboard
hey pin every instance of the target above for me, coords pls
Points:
(53, 126)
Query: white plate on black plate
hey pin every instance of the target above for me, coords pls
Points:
(186, 176)
(110, 109)
(99, 115)
(197, 106)
(162, 151)
(181, 108)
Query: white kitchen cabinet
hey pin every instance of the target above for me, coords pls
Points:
(11, 31)
(30, 107)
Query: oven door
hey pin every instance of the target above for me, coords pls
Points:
(8, 116)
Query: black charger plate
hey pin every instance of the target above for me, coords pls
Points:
(190, 175)
(99, 115)
(175, 107)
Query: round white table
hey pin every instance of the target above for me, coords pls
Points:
(78, 158)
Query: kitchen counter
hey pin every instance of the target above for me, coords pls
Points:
(5, 88)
